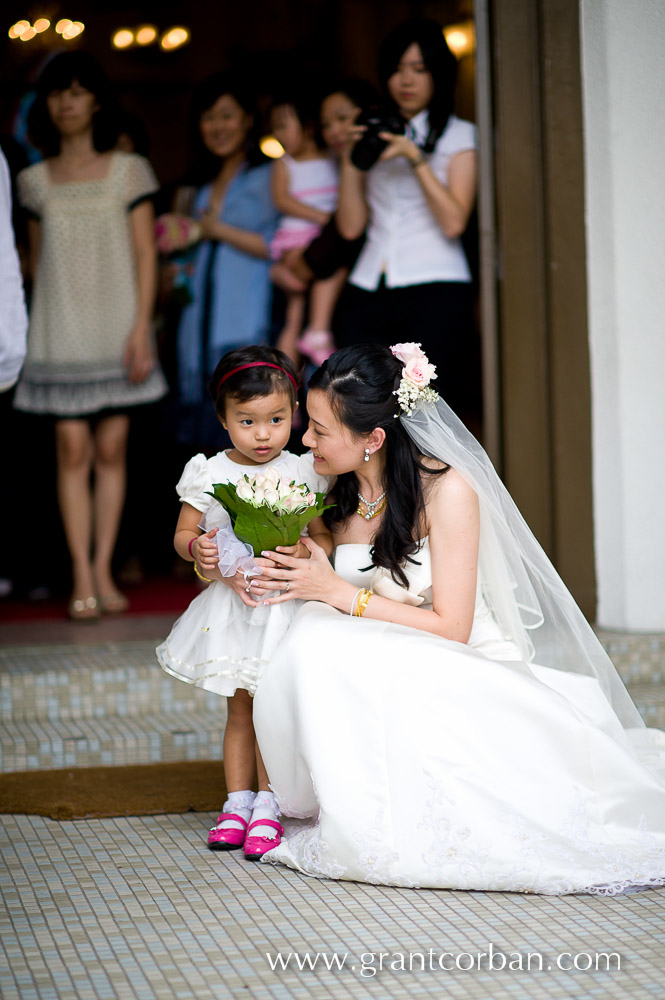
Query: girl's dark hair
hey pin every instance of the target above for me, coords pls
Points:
(438, 59)
(252, 382)
(360, 382)
(304, 108)
(59, 74)
(360, 92)
(205, 165)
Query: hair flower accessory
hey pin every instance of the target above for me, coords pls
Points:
(418, 372)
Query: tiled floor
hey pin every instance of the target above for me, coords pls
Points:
(138, 908)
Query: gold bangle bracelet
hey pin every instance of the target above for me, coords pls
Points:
(416, 163)
(363, 601)
(200, 575)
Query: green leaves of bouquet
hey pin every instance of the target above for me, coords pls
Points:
(266, 511)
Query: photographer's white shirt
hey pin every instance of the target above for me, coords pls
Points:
(404, 240)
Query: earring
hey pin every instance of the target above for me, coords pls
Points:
(367, 454)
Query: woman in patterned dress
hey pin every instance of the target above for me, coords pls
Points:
(90, 350)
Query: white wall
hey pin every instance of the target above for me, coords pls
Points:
(623, 78)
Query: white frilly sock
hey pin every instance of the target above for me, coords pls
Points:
(265, 807)
(240, 803)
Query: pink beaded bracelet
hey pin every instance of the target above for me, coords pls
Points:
(191, 542)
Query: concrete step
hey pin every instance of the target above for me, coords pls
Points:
(640, 659)
(113, 740)
(116, 740)
(92, 681)
(124, 678)
(110, 703)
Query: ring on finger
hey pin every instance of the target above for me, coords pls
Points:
(287, 586)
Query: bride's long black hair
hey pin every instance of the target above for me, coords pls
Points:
(360, 382)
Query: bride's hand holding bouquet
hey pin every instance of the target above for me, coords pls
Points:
(311, 579)
(266, 510)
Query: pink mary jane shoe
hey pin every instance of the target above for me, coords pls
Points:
(231, 837)
(256, 847)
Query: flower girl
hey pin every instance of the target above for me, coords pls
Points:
(224, 638)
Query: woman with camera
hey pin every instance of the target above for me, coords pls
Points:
(410, 180)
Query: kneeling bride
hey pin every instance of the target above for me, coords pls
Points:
(440, 713)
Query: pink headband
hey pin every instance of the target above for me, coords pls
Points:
(257, 364)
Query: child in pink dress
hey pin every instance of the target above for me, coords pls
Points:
(305, 184)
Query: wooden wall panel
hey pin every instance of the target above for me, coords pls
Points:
(545, 383)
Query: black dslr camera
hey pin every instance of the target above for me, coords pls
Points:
(369, 147)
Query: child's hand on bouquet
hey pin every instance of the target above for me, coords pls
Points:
(298, 551)
(206, 555)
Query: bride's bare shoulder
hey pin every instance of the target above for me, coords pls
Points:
(449, 487)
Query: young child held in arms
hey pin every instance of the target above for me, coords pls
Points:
(224, 638)
(305, 183)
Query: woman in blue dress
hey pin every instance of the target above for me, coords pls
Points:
(230, 285)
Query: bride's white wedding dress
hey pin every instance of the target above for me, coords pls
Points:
(412, 760)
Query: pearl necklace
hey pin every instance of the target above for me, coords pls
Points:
(373, 508)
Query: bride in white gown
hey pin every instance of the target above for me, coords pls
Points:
(463, 728)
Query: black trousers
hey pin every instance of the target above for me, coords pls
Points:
(438, 315)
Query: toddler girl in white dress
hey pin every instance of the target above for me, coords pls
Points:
(224, 638)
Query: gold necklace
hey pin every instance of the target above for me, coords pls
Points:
(371, 509)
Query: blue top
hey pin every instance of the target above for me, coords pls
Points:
(231, 290)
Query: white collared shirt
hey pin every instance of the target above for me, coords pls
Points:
(404, 240)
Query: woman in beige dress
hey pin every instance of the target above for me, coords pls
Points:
(90, 349)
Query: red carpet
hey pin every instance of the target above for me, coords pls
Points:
(157, 596)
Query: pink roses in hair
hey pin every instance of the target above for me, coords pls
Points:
(404, 352)
(416, 366)
(418, 373)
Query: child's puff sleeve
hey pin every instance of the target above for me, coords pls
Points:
(194, 483)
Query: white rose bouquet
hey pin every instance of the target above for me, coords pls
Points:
(266, 510)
